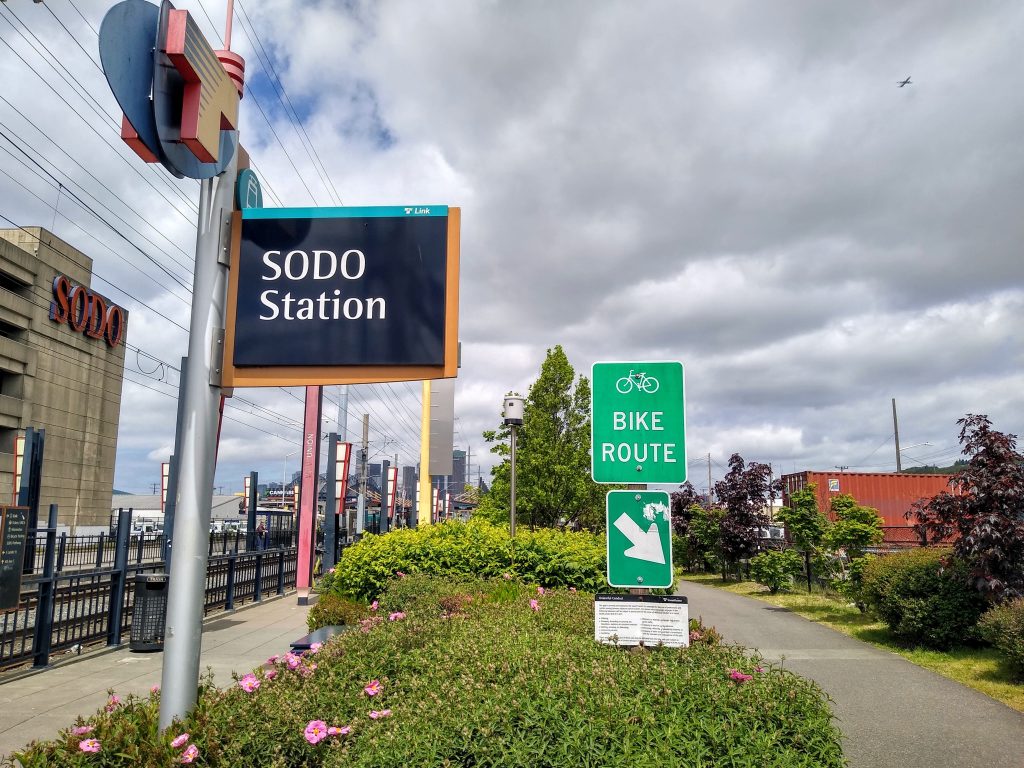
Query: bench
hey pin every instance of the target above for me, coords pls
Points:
(321, 635)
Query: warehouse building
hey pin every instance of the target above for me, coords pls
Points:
(61, 368)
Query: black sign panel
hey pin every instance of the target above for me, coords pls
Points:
(338, 287)
(13, 533)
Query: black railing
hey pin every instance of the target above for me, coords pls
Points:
(94, 552)
(81, 605)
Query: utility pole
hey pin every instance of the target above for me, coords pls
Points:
(343, 416)
(363, 476)
(709, 479)
(896, 432)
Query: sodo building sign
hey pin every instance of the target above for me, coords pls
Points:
(332, 295)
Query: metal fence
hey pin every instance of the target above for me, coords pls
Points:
(90, 597)
(94, 552)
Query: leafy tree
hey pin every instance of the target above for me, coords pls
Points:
(855, 528)
(705, 536)
(985, 511)
(804, 521)
(806, 524)
(744, 493)
(553, 484)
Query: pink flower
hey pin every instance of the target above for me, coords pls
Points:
(190, 754)
(273, 659)
(331, 570)
(373, 688)
(375, 715)
(315, 647)
(396, 616)
(695, 636)
(507, 576)
(249, 683)
(316, 731)
(540, 590)
(374, 605)
(292, 660)
(399, 574)
(89, 745)
(534, 605)
(112, 704)
(82, 730)
(345, 731)
(739, 677)
(573, 590)
(333, 730)
(759, 669)
(154, 689)
(270, 674)
(179, 741)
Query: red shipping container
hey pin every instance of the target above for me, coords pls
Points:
(893, 495)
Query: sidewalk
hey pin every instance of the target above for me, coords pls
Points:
(37, 706)
(893, 714)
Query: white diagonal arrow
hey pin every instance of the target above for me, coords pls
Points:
(646, 546)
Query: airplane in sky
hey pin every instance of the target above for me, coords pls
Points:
(901, 83)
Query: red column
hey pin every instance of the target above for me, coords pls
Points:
(308, 494)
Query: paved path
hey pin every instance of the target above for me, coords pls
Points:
(893, 714)
(38, 705)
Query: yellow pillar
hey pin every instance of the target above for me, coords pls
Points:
(425, 511)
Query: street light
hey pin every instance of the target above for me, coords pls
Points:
(513, 413)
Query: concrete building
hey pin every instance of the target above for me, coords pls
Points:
(56, 378)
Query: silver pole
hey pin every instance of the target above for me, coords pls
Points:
(512, 516)
(196, 464)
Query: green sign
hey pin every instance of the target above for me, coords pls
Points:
(639, 539)
(637, 428)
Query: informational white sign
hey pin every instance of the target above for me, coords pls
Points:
(648, 619)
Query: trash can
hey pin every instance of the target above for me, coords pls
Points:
(150, 612)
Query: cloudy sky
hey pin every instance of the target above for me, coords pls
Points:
(740, 186)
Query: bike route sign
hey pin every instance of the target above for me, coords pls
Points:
(637, 426)
(639, 539)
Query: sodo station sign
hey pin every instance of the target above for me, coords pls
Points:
(342, 295)
(637, 424)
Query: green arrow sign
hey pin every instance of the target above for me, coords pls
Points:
(639, 539)
(637, 428)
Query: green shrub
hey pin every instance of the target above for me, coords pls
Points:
(775, 570)
(495, 684)
(551, 558)
(1003, 626)
(850, 583)
(923, 599)
(332, 610)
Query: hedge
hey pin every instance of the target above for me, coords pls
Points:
(924, 597)
(477, 676)
(551, 558)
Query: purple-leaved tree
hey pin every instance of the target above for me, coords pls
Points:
(984, 513)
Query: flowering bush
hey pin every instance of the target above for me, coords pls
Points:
(524, 689)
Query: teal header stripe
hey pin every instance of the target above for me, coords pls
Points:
(371, 212)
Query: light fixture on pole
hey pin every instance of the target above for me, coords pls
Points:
(513, 414)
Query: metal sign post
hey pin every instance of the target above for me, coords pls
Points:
(197, 448)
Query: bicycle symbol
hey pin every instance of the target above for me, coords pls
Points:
(641, 381)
